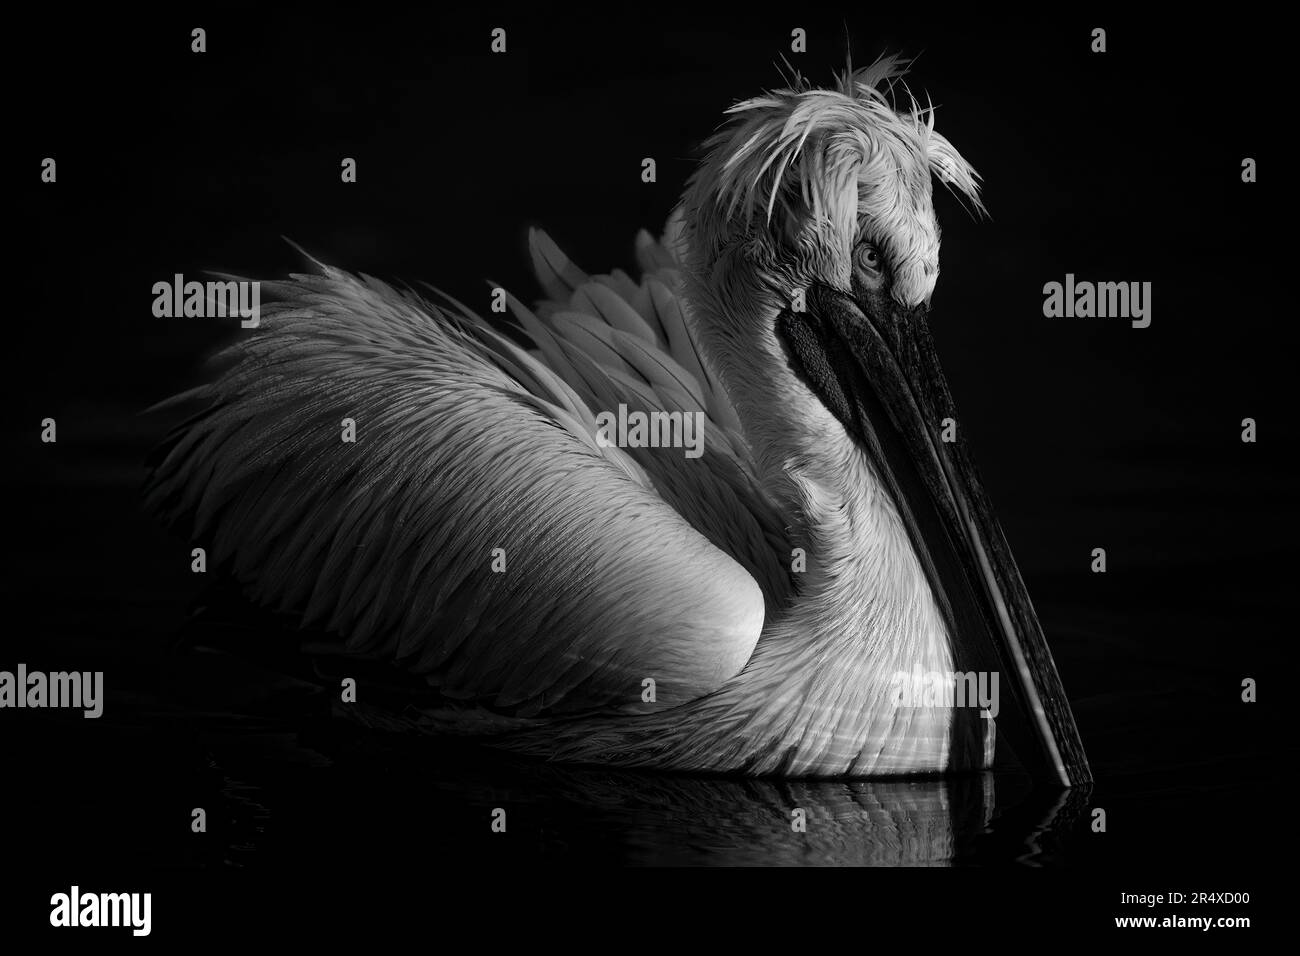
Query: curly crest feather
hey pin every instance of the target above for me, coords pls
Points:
(846, 159)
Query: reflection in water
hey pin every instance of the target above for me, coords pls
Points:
(690, 821)
(288, 769)
(643, 818)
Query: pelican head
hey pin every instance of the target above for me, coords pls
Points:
(828, 186)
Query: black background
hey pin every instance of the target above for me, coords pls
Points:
(1089, 433)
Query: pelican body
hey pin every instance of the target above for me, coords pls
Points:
(748, 609)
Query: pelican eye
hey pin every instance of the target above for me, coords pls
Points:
(868, 259)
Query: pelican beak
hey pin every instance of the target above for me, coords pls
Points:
(872, 362)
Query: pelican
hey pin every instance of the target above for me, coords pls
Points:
(746, 610)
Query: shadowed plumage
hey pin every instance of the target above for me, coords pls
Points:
(785, 306)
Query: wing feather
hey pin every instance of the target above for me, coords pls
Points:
(464, 443)
(559, 277)
(608, 365)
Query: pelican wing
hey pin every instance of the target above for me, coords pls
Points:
(474, 531)
(618, 342)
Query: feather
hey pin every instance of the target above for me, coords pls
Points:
(558, 276)
(464, 443)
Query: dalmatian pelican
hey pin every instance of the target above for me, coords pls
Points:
(747, 610)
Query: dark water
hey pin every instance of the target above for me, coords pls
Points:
(289, 790)
(284, 792)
